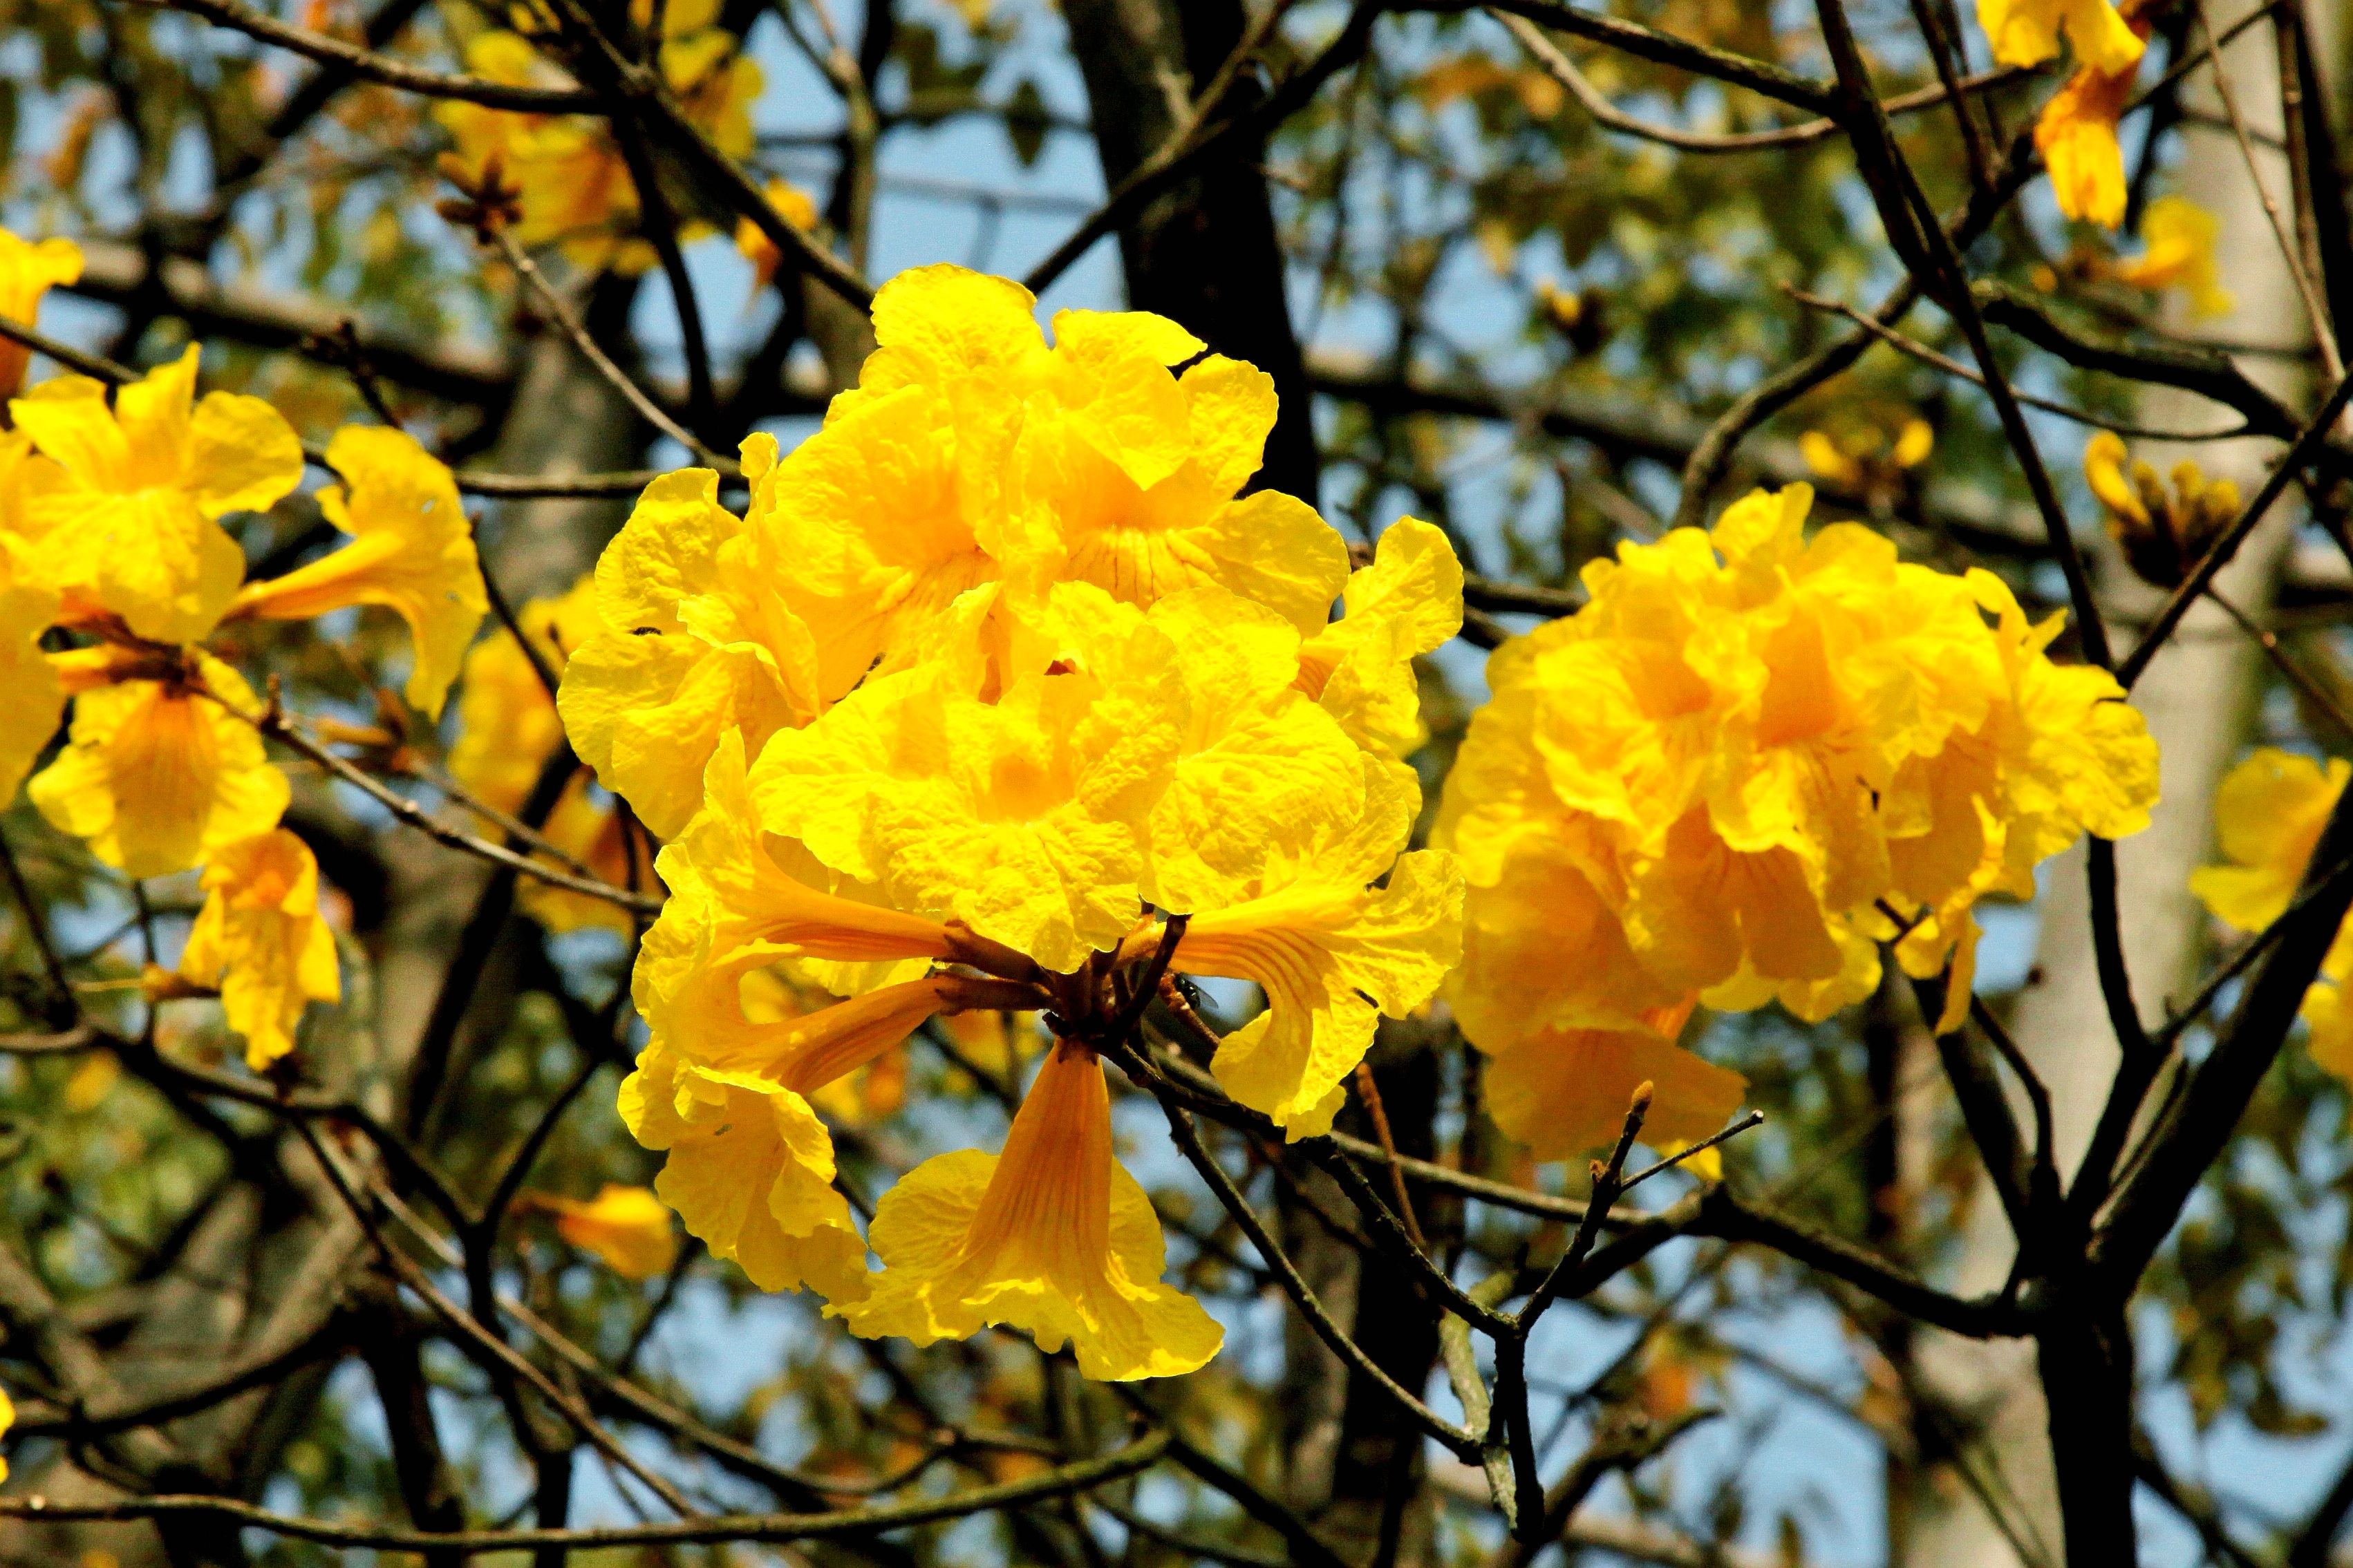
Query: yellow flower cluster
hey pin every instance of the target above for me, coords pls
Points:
(1718, 781)
(571, 178)
(2162, 535)
(2268, 814)
(998, 674)
(110, 534)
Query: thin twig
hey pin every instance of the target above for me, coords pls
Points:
(1369, 1089)
(2296, 674)
(552, 300)
(2314, 310)
(279, 726)
(372, 66)
(1953, 367)
(1562, 70)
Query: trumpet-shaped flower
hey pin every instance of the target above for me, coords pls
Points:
(1332, 952)
(743, 899)
(626, 1227)
(2076, 134)
(2027, 32)
(1052, 1236)
(2268, 814)
(698, 640)
(28, 271)
(751, 1167)
(161, 775)
(121, 507)
(412, 551)
(868, 1093)
(1408, 603)
(750, 1171)
(260, 941)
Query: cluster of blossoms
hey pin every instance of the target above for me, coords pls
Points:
(111, 541)
(571, 179)
(1000, 696)
(2076, 134)
(1749, 759)
(2268, 816)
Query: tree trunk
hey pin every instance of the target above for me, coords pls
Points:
(2196, 696)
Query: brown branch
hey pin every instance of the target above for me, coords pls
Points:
(767, 1529)
(1562, 70)
(382, 68)
(279, 726)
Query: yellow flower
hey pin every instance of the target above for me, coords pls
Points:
(1331, 951)
(1052, 1236)
(743, 899)
(970, 451)
(626, 1227)
(2268, 816)
(2163, 534)
(507, 725)
(121, 507)
(28, 271)
(1022, 818)
(1137, 472)
(698, 639)
(1706, 782)
(572, 179)
(751, 1168)
(2178, 238)
(2026, 32)
(2076, 135)
(1829, 461)
(1564, 1090)
(750, 1171)
(36, 696)
(7, 1419)
(1408, 603)
(412, 551)
(1865, 461)
(161, 775)
(792, 205)
(260, 941)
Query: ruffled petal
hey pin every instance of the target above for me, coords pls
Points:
(260, 941)
(157, 778)
(412, 551)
